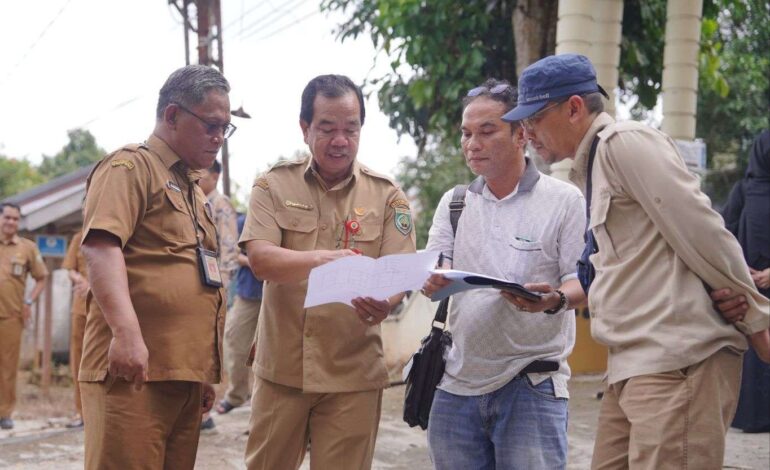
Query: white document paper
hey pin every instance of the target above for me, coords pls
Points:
(346, 278)
(463, 280)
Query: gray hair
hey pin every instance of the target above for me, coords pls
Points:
(188, 86)
(594, 102)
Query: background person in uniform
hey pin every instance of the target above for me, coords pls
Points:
(155, 318)
(227, 237)
(240, 332)
(320, 371)
(659, 244)
(747, 216)
(520, 225)
(75, 264)
(18, 257)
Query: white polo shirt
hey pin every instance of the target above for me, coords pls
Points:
(535, 234)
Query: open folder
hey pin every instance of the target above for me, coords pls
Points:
(464, 280)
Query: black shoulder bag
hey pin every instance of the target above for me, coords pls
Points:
(585, 269)
(429, 361)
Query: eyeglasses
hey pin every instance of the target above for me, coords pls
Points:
(211, 128)
(495, 90)
(529, 123)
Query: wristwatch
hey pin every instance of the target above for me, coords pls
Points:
(563, 304)
(28, 302)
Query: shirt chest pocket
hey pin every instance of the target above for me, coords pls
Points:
(298, 231)
(600, 209)
(18, 267)
(176, 223)
(369, 240)
(530, 263)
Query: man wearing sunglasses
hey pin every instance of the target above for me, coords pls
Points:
(502, 402)
(674, 364)
(153, 340)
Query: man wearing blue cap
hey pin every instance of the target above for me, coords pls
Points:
(674, 364)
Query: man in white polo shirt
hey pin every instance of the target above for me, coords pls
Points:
(502, 402)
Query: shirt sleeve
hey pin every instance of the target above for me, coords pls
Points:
(570, 238)
(116, 197)
(37, 267)
(650, 170)
(398, 229)
(70, 260)
(260, 221)
(440, 236)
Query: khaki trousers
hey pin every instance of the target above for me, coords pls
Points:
(10, 346)
(670, 420)
(77, 331)
(240, 334)
(341, 428)
(154, 428)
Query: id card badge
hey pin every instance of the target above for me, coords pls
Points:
(209, 267)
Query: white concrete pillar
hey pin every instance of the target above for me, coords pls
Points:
(680, 68)
(605, 50)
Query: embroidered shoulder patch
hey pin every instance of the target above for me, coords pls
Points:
(262, 183)
(126, 163)
(403, 220)
(400, 203)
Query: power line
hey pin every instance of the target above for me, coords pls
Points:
(312, 13)
(243, 14)
(115, 108)
(34, 44)
(269, 18)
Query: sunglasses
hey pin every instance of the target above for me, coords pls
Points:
(495, 90)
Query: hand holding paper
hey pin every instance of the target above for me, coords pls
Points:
(350, 277)
(463, 280)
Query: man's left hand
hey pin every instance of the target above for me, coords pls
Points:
(371, 311)
(761, 278)
(207, 398)
(731, 306)
(548, 301)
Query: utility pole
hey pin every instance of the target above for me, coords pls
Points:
(208, 31)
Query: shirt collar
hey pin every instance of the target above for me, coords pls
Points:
(14, 240)
(526, 182)
(580, 167)
(311, 171)
(170, 158)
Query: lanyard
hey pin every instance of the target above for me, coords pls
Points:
(193, 212)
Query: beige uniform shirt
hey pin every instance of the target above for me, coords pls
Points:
(226, 221)
(140, 194)
(75, 261)
(18, 258)
(325, 348)
(659, 243)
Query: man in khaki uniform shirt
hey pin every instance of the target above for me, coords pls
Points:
(18, 257)
(75, 264)
(153, 340)
(674, 364)
(320, 371)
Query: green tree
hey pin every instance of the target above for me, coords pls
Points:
(80, 151)
(17, 176)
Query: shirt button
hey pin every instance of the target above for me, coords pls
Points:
(294, 222)
(323, 226)
(308, 333)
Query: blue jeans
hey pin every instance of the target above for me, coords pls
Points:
(519, 426)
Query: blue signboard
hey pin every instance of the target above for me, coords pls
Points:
(54, 246)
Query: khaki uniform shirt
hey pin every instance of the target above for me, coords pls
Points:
(18, 258)
(659, 243)
(326, 348)
(226, 221)
(75, 261)
(140, 194)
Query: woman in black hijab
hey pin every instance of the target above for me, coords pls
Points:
(747, 216)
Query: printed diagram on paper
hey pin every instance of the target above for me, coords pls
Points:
(345, 279)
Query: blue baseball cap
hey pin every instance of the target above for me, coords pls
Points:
(550, 78)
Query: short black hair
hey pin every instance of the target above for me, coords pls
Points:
(215, 167)
(509, 95)
(9, 204)
(330, 86)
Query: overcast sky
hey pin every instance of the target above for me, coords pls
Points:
(98, 65)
